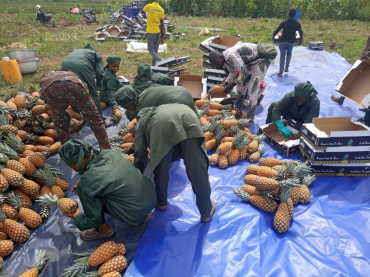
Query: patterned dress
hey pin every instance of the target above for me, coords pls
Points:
(248, 70)
(63, 88)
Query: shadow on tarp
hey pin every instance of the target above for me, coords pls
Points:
(327, 237)
(60, 236)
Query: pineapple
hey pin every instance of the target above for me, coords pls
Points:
(41, 259)
(4, 236)
(203, 120)
(28, 216)
(251, 190)
(131, 125)
(3, 183)
(265, 171)
(225, 148)
(282, 217)
(222, 161)
(268, 184)
(304, 194)
(16, 166)
(213, 112)
(255, 157)
(67, 205)
(265, 204)
(61, 183)
(38, 109)
(37, 158)
(249, 179)
(46, 178)
(200, 103)
(16, 231)
(229, 122)
(270, 162)
(216, 106)
(54, 148)
(30, 188)
(253, 146)
(128, 138)
(44, 212)
(13, 178)
(213, 159)
(238, 143)
(126, 147)
(5, 127)
(117, 263)
(51, 133)
(29, 167)
(208, 136)
(9, 211)
(6, 248)
(211, 144)
(121, 249)
(96, 257)
(252, 169)
(20, 101)
(8, 151)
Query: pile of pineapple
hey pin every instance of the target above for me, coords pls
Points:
(27, 137)
(226, 131)
(109, 256)
(275, 186)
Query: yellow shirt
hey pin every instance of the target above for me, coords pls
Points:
(155, 14)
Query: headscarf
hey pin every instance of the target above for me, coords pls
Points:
(304, 89)
(142, 81)
(143, 118)
(88, 46)
(113, 59)
(74, 151)
(162, 79)
(126, 96)
(144, 70)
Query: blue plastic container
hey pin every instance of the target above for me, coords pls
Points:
(138, 4)
(297, 14)
(135, 12)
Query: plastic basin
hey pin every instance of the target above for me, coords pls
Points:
(21, 55)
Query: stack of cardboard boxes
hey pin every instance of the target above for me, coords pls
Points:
(336, 146)
(171, 66)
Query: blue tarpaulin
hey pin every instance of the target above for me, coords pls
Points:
(327, 237)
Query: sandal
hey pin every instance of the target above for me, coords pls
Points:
(208, 219)
(93, 234)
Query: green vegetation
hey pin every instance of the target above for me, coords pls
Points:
(19, 29)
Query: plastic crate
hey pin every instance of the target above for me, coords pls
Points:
(138, 4)
(127, 10)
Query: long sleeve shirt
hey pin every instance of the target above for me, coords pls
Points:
(289, 26)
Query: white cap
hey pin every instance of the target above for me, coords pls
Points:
(38, 6)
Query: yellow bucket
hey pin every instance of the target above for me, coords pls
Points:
(11, 71)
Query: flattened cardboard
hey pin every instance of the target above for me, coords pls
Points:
(355, 85)
(343, 154)
(226, 40)
(350, 169)
(214, 80)
(336, 131)
(286, 146)
(172, 62)
(219, 73)
(194, 83)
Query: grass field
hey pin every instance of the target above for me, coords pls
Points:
(19, 30)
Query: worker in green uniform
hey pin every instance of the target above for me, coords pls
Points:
(168, 130)
(154, 95)
(143, 78)
(109, 184)
(110, 83)
(88, 65)
(302, 105)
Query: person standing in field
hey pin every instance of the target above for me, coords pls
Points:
(289, 26)
(154, 28)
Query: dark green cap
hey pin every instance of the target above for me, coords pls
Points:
(74, 151)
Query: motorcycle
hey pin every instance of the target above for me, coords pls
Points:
(89, 16)
(45, 19)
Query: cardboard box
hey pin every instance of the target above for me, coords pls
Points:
(206, 48)
(355, 85)
(194, 83)
(286, 146)
(350, 169)
(207, 64)
(215, 73)
(214, 80)
(175, 71)
(336, 131)
(342, 154)
(172, 62)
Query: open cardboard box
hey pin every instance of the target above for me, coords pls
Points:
(286, 146)
(341, 154)
(219, 43)
(336, 131)
(196, 84)
(355, 85)
(341, 169)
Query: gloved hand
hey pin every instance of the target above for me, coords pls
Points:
(280, 125)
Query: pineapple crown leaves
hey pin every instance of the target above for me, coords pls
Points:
(228, 107)
(14, 200)
(2, 198)
(243, 123)
(31, 103)
(259, 138)
(290, 183)
(41, 259)
(239, 140)
(234, 129)
(79, 266)
(47, 200)
(261, 148)
(219, 132)
(2, 216)
(4, 117)
(205, 127)
(90, 274)
(53, 170)
(14, 143)
(299, 170)
(242, 194)
(45, 175)
(10, 152)
(44, 212)
(115, 138)
(308, 179)
(285, 194)
(213, 123)
(3, 158)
